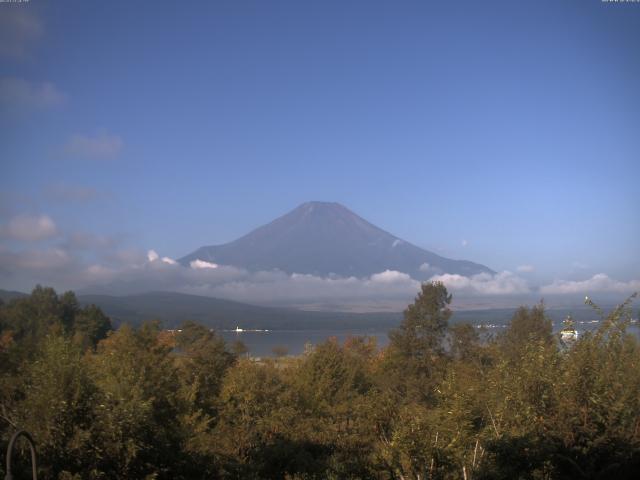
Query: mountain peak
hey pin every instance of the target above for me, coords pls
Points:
(326, 238)
(321, 204)
(317, 206)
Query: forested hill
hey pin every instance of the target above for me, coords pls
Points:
(8, 295)
(174, 308)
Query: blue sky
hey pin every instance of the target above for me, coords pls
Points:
(506, 133)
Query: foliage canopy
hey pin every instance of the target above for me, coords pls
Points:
(440, 401)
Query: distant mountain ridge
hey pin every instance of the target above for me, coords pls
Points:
(173, 308)
(8, 295)
(323, 238)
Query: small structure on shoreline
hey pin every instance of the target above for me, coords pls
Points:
(568, 334)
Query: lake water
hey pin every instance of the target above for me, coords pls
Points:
(262, 343)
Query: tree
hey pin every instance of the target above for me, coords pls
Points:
(437, 403)
(31, 318)
(57, 407)
(90, 325)
(414, 359)
(69, 308)
(597, 426)
(527, 326)
(256, 423)
(43, 312)
(239, 348)
(137, 427)
(203, 362)
(425, 322)
(464, 342)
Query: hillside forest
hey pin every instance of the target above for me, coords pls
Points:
(440, 401)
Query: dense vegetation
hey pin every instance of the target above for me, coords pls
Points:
(438, 402)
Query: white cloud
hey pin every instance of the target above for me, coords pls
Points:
(152, 256)
(465, 243)
(157, 274)
(19, 30)
(526, 268)
(598, 283)
(200, 264)
(425, 267)
(390, 276)
(502, 283)
(279, 287)
(100, 146)
(16, 93)
(29, 228)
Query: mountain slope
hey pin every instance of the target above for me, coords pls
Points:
(8, 295)
(327, 238)
(174, 308)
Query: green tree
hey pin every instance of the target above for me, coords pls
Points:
(90, 325)
(56, 407)
(137, 430)
(527, 326)
(256, 421)
(31, 318)
(415, 357)
(203, 362)
(464, 342)
(43, 312)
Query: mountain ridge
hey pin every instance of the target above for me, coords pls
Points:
(326, 238)
(173, 308)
